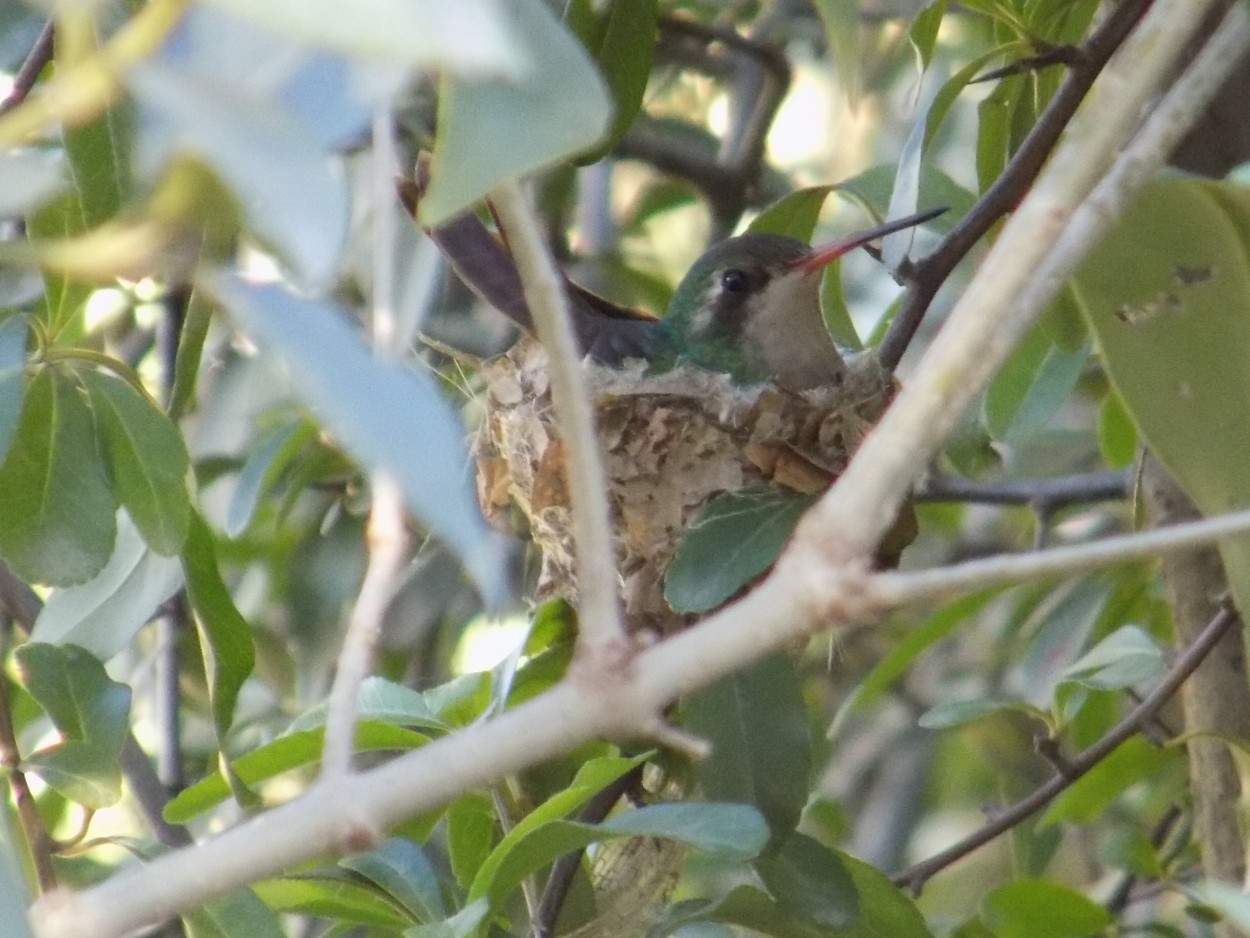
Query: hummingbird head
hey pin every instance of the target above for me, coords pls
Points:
(750, 307)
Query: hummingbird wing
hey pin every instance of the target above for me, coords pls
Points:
(607, 332)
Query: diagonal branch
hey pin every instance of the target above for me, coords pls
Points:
(916, 876)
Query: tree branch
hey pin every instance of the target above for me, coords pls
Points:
(599, 615)
(928, 275)
(917, 875)
(1044, 495)
(24, 81)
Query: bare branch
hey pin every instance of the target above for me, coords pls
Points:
(599, 613)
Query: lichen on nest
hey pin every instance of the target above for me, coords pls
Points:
(670, 443)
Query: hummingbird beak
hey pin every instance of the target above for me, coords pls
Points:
(826, 254)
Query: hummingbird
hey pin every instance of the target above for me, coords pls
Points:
(749, 307)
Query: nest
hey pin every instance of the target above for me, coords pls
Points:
(670, 443)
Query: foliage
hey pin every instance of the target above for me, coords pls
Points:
(218, 331)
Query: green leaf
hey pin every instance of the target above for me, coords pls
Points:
(199, 316)
(1228, 901)
(99, 164)
(104, 614)
(883, 908)
(1089, 796)
(266, 463)
(834, 310)
(387, 416)
(83, 772)
(460, 925)
(58, 525)
(400, 869)
(794, 215)
(71, 685)
(960, 712)
(1117, 437)
(1042, 909)
(148, 460)
(810, 881)
(471, 37)
(761, 750)
(13, 332)
(492, 131)
(383, 701)
(287, 752)
(90, 711)
(338, 897)
(842, 31)
(1033, 384)
(705, 572)
(225, 637)
(730, 831)
(923, 31)
(622, 43)
(745, 906)
(64, 299)
(1162, 292)
(1125, 658)
(239, 914)
(470, 835)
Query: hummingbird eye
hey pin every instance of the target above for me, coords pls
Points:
(734, 280)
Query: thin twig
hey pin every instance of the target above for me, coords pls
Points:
(1041, 494)
(928, 275)
(24, 81)
(896, 588)
(599, 614)
(917, 875)
(1119, 898)
(387, 533)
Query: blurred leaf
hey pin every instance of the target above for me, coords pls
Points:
(99, 164)
(872, 189)
(28, 177)
(470, 835)
(1063, 621)
(389, 417)
(84, 772)
(923, 31)
(1228, 901)
(147, 458)
(622, 42)
(1117, 436)
(287, 752)
(1042, 909)
(833, 308)
(809, 881)
(64, 298)
(704, 573)
(1161, 291)
(1031, 386)
(906, 650)
(883, 908)
(994, 120)
(103, 614)
(13, 332)
(842, 31)
(1089, 796)
(272, 454)
(761, 749)
(199, 315)
(470, 37)
(340, 898)
(1125, 658)
(225, 637)
(730, 831)
(1064, 322)
(402, 870)
(239, 914)
(954, 713)
(384, 701)
(905, 193)
(58, 525)
(460, 925)
(491, 131)
(794, 215)
(92, 713)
